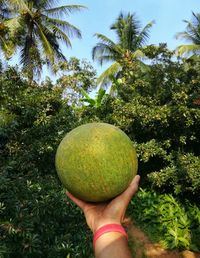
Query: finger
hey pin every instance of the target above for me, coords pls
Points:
(81, 204)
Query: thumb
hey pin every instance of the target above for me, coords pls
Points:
(127, 195)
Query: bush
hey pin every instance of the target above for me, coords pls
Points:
(157, 109)
(36, 220)
(166, 220)
(182, 175)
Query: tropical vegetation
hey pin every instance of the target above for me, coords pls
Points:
(131, 39)
(158, 108)
(34, 31)
(191, 34)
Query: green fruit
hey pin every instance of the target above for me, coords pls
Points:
(96, 162)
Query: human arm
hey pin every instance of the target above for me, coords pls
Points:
(112, 244)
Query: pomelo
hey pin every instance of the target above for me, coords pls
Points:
(96, 161)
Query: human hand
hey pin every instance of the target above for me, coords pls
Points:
(99, 214)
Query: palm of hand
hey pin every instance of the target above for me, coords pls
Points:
(100, 214)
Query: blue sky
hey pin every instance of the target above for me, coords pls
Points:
(168, 15)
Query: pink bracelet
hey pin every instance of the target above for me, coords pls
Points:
(108, 228)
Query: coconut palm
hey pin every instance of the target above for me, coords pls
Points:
(5, 44)
(37, 27)
(191, 34)
(131, 38)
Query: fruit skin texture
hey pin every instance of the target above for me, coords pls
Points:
(96, 162)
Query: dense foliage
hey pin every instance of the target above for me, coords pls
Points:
(167, 221)
(36, 221)
(158, 109)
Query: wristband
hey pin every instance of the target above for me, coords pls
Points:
(108, 228)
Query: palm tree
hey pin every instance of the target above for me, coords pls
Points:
(191, 34)
(36, 29)
(5, 43)
(131, 38)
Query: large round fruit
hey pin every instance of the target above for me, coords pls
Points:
(96, 161)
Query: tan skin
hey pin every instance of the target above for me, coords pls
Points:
(112, 244)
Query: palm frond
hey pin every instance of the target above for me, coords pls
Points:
(104, 39)
(64, 10)
(71, 30)
(56, 51)
(143, 36)
(14, 25)
(45, 43)
(106, 50)
(138, 54)
(187, 50)
(20, 5)
(105, 78)
(182, 35)
(60, 35)
(45, 4)
(192, 32)
(6, 49)
(102, 53)
(191, 35)
(128, 29)
(104, 59)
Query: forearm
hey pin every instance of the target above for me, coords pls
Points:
(112, 245)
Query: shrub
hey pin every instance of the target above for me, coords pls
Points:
(166, 220)
(157, 109)
(35, 219)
